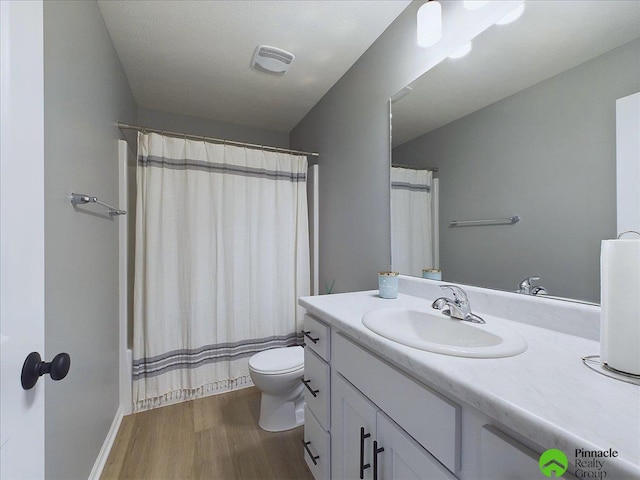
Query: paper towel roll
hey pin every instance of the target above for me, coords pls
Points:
(620, 301)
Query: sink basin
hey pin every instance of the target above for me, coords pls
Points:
(436, 332)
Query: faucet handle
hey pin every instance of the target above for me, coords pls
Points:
(525, 285)
(527, 281)
(459, 294)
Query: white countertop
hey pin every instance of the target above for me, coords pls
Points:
(546, 393)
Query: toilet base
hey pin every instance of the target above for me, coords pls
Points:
(278, 416)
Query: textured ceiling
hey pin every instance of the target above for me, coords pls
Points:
(550, 37)
(193, 57)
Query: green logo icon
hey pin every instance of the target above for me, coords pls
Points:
(553, 463)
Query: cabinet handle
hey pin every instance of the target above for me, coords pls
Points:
(363, 467)
(306, 447)
(376, 451)
(306, 384)
(308, 335)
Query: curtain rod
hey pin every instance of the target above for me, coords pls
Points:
(412, 167)
(125, 126)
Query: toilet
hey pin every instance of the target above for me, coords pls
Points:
(278, 373)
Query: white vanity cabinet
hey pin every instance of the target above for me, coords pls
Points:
(376, 422)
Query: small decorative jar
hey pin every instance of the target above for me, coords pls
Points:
(388, 284)
(432, 273)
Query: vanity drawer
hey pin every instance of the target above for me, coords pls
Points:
(317, 450)
(317, 392)
(431, 419)
(317, 336)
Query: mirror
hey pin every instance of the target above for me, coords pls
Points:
(524, 125)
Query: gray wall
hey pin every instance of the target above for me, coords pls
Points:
(201, 126)
(546, 154)
(349, 127)
(86, 93)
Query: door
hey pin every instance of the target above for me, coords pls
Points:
(21, 235)
(401, 457)
(354, 430)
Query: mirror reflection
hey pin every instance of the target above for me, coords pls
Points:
(524, 125)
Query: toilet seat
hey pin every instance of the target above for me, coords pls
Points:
(278, 361)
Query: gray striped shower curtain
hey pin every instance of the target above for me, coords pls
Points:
(221, 257)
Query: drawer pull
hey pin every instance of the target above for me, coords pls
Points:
(363, 467)
(308, 335)
(314, 459)
(306, 384)
(376, 451)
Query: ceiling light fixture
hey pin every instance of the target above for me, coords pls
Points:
(272, 60)
(429, 19)
(474, 4)
(462, 51)
(512, 16)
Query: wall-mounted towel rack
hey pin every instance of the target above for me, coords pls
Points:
(491, 221)
(81, 198)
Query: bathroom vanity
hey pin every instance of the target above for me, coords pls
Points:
(379, 409)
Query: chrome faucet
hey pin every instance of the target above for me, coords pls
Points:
(527, 289)
(459, 307)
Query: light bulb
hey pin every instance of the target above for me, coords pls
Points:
(462, 51)
(512, 16)
(429, 19)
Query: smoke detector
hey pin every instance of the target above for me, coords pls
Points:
(272, 60)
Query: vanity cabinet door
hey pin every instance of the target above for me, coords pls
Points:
(504, 458)
(354, 430)
(400, 457)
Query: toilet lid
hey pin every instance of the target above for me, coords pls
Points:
(278, 360)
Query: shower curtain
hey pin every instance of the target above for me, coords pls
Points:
(411, 220)
(221, 257)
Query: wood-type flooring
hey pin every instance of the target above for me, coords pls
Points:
(215, 437)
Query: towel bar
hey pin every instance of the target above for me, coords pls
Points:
(492, 221)
(81, 198)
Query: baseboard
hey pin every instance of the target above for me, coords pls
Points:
(101, 461)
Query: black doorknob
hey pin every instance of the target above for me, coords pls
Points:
(34, 368)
